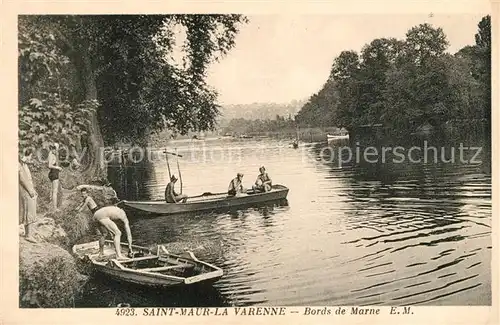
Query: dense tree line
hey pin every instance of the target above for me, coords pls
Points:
(91, 79)
(402, 84)
(259, 126)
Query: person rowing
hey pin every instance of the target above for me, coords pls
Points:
(104, 222)
(236, 186)
(263, 182)
(170, 195)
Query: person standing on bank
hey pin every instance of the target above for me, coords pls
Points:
(170, 195)
(104, 222)
(28, 195)
(54, 173)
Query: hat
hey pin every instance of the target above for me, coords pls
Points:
(239, 174)
(173, 178)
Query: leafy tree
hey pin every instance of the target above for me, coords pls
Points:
(399, 110)
(425, 46)
(466, 99)
(377, 58)
(401, 83)
(478, 57)
(345, 74)
(483, 48)
(244, 126)
(47, 112)
(321, 108)
(424, 42)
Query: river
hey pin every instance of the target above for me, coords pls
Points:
(352, 233)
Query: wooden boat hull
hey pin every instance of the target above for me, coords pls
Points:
(278, 192)
(123, 270)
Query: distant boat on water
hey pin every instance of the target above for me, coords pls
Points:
(331, 137)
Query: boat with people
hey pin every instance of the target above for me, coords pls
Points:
(210, 201)
(144, 267)
(178, 203)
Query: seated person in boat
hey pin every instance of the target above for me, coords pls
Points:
(263, 182)
(235, 186)
(103, 221)
(171, 196)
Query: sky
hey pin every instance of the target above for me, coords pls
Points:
(280, 58)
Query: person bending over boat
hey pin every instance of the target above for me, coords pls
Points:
(104, 221)
(170, 195)
(236, 186)
(263, 182)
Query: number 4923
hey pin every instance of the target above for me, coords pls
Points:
(125, 312)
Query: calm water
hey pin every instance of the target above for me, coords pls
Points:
(351, 234)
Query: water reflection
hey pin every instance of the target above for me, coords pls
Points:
(104, 292)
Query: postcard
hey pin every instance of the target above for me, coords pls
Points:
(210, 162)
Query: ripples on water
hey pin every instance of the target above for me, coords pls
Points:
(393, 234)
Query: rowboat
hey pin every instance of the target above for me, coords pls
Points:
(210, 201)
(337, 137)
(146, 268)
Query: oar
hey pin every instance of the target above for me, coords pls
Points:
(207, 194)
(171, 153)
(191, 197)
(249, 191)
(120, 202)
(178, 168)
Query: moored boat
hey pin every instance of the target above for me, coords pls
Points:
(146, 268)
(210, 201)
